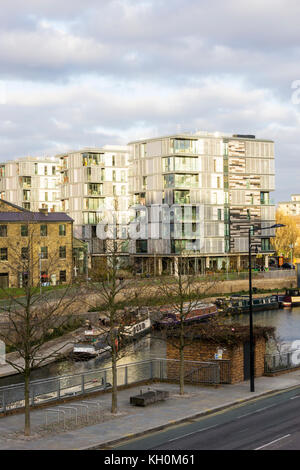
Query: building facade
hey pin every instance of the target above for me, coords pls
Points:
(32, 183)
(35, 247)
(291, 207)
(94, 189)
(209, 189)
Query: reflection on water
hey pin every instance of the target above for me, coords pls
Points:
(147, 347)
(286, 322)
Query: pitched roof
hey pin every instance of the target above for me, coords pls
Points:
(27, 216)
(34, 217)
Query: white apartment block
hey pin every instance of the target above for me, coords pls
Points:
(94, 187)
(31, 182)
(222, 181)
(291, 207)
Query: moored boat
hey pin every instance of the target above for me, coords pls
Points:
(241, 304)
(291, 297)
(192, 313)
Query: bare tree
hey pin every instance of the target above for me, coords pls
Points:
(184, 294)
(113, 294)
(28, 319)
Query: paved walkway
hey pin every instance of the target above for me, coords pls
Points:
(134, 420)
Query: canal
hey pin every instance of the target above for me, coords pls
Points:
(286, 322)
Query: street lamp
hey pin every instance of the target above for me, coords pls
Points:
(252, 389)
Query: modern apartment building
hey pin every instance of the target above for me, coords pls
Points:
(35, 247)
(31, 182)
(209, 189)
(94, 188)
(291, 207)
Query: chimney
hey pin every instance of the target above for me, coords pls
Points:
(44, 211)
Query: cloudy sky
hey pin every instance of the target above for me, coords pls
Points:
(77, 73)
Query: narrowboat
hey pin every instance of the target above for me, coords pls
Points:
(291, 297)
(194, 313)
(241, 304)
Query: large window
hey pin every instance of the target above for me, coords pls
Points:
(89, 159)
(264, 197)
(182, 145)
(142, 246)
(94, 189)
(180, 164)
(91, 218)
(181, 197)
(94, 203)
(265, 244)
(62, 276)
(178, 180)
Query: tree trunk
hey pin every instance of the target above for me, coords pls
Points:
(27, 400)
(181, 357)
(114, 396)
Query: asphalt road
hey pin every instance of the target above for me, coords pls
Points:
(264, 424)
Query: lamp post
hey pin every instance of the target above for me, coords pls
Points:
(251, 336)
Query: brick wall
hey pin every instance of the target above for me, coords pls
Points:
(204, 351)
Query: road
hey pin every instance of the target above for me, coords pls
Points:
(271, 423)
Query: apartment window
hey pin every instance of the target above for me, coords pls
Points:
(94, 189)
(141, 246)
(35, 168)
(144, 182)
(113, 160)
(26, 205)
(62, 252)
(62, 230)
(53, 170)
(114, 175)
(265, 244)
(62, 276)
(102, 174)
(45, 170)
(46, 196)
(3, 230)
(114, 190)
(123, 176)
(3, 254)
(26, 195)
(264, 198)
(219, 214)
(218, 182)
(94, 203)
(24, 252)
(43, 230)
(248, 214)
(123, 190)
(24, 230)
(44, 252)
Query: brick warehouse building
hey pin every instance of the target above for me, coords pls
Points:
(34, 246)
(232, 345)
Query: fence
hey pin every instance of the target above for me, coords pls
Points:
(58, 388)
(282, 361)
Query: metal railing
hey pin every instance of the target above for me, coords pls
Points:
(282, 361)
(61, 387)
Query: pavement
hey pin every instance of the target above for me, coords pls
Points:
(132, 421)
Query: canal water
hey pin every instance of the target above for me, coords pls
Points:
(286, 322)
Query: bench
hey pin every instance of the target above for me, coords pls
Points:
(149, 397)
